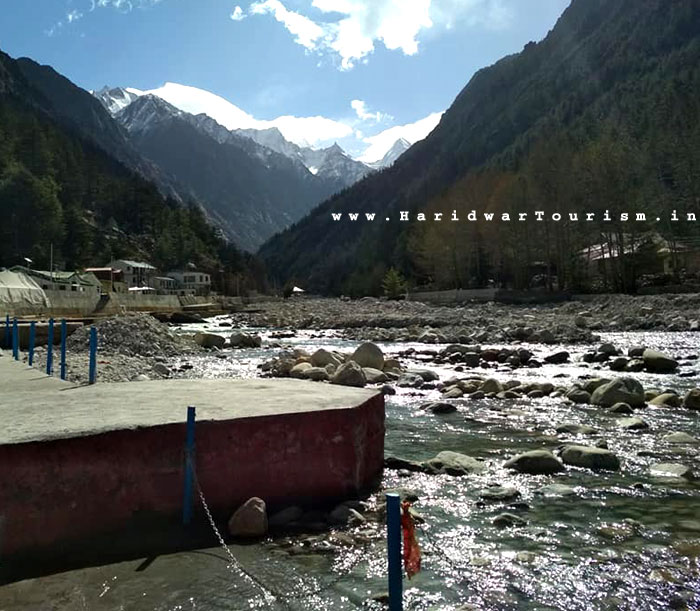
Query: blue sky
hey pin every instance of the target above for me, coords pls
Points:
(400, 61)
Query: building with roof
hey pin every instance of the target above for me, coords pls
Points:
(191, 282)
(112, 279)
(165, 285)
(137, 274)
(70, 281)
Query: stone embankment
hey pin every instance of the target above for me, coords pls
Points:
(371, 319)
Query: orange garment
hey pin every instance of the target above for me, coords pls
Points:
(411, 551)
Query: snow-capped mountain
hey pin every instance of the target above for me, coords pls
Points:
(115, 99)
(148, 111)
(332, 163)
(397, 149)
(249, 190)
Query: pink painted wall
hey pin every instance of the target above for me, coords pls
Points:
(58, 491)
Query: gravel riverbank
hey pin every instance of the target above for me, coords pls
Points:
(571, 322)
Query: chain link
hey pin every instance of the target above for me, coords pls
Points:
(270, 596)
(438, 550)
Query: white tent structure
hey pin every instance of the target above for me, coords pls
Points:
(20, 293)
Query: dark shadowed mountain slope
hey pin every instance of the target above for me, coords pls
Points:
(602, 65)
(249, 190)
(64, 199)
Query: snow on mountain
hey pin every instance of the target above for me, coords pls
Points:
(273, 139)
(223, 121)
(116, 98)
(149, 111)
(397, 149)
(335, 164)
(197, 101)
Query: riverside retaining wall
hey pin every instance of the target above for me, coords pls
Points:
(77, 464)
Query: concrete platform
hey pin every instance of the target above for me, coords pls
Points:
(77, 463)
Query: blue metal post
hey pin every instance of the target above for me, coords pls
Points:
(64, 333)
(189, 467)
(92, 374)
(393, 521)
(6, 339)
(49, 350)
(15, 340)
(32, 342)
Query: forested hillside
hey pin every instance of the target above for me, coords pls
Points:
(603, 114)
(57, 189)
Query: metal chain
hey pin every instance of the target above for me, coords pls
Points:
(438, 550)
(235, 564)
(268, 593)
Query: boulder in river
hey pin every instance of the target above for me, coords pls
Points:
(667, 399)
(374, 376)
(409, 380)
(505, 520)
(556, 490)
(454, 463)
(670, 469)
(440, 407)
(491, 386)
(621, 390)
(590, 458)
(557, 358)
(499, 493)
(576, 429)
(632, 424)
(428, 375)
(657, 362)
(317, 374)
(209, 340)
(245, 340)
(621, 408)
(323, 357)
(299, 370)
(535, 462)
(349, 374)
(249, 520)
(395, 462)
(692, 399)
(578, 395)
(369, 355)
(679, 437)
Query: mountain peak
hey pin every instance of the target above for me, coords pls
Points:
(144, 111)
(115, 99)
(336, 149)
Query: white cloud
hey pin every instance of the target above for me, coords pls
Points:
(238, 14)
(490, 14)
(73, 15)
(305, 131)
(380, 143)
(363, 113)
(397, 24)
(124, 6)
(307, 32)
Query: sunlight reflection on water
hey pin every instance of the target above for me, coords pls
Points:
(622, 540)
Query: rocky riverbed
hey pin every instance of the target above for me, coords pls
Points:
(549, 471)
(574, 321)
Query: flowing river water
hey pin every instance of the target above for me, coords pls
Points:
(607, 540)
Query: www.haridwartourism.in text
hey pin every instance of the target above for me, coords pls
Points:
(473, 216)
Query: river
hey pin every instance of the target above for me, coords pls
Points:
(622, 540)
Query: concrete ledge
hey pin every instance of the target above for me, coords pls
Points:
(77, 463)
